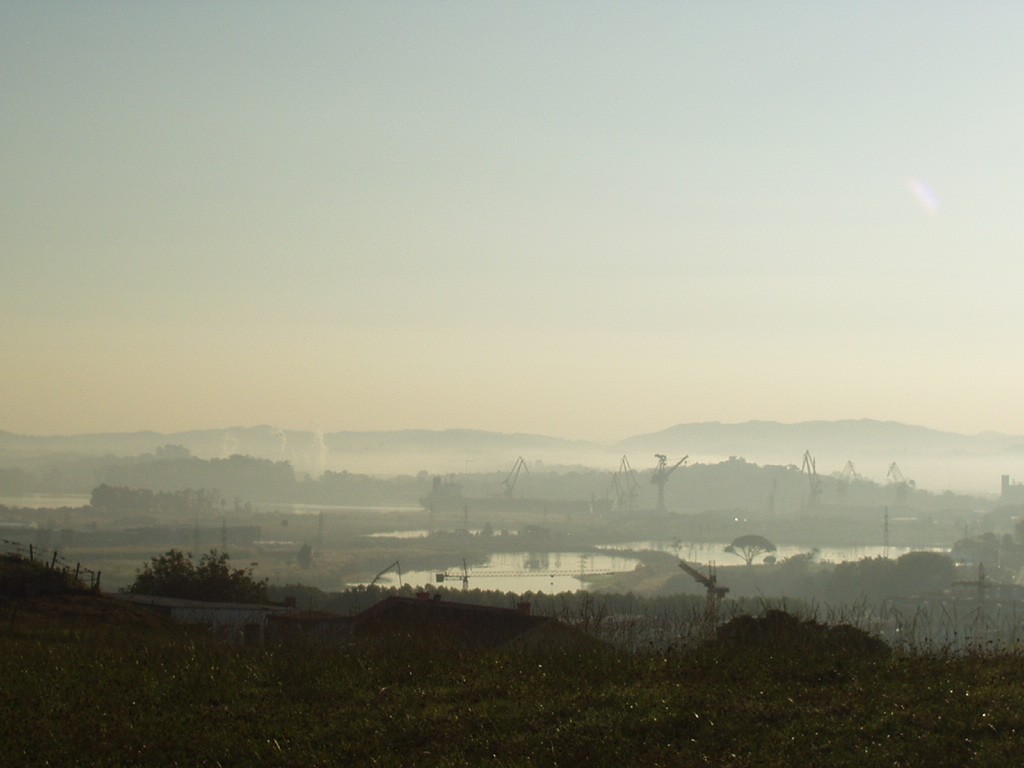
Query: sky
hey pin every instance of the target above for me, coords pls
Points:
(586, 220)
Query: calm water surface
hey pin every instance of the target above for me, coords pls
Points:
(519, 572)
(714, 552)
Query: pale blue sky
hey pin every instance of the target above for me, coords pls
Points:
(580, 219)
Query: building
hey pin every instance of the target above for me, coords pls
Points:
(243, 623)
(422, 619)
(1011, 492)
(427, 617)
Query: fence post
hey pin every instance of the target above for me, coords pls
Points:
(96, 586)
(78, 567)
(30, 558)
(53, 560)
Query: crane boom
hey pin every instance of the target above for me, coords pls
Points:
(715, 593)
(393, 565)
(697, 575)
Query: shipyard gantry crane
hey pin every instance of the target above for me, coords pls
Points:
(846, 479)
(899, 482)
(626, 487)
(660, 476)
(510, 482)
(813, 480)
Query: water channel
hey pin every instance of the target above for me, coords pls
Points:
(552, 572)
(519, 572)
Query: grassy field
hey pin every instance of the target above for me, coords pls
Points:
(87, 681)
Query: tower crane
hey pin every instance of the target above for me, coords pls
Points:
(510, 482)
(442, 576)
(660, 476)
(715, 593)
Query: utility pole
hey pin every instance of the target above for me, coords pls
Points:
(885, 535)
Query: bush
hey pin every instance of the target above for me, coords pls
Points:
(778, 632)
(176, 574)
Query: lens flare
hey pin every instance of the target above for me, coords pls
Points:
(925, 196)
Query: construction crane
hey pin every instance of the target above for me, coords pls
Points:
(441, 577)
(626, 487)
(813, 480)
(510, 482)
(715, 593)
(660, 476)
(394, 565)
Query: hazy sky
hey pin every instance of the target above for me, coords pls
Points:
(578, 219)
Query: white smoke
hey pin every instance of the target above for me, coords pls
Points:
(229, 445)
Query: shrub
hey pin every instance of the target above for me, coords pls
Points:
(176, 574)
(781, 632)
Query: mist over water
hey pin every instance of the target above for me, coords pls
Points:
(973, 475)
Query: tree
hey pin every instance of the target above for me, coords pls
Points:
(176, 574)
(750, 546)
(918, 573)
(878, 578)
(870, 578)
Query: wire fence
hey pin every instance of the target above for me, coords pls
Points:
(73, 574)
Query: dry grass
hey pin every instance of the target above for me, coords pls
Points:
(94, 686)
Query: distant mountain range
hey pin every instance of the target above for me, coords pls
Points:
(750, 437)
(875, 444)
(851, 436)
